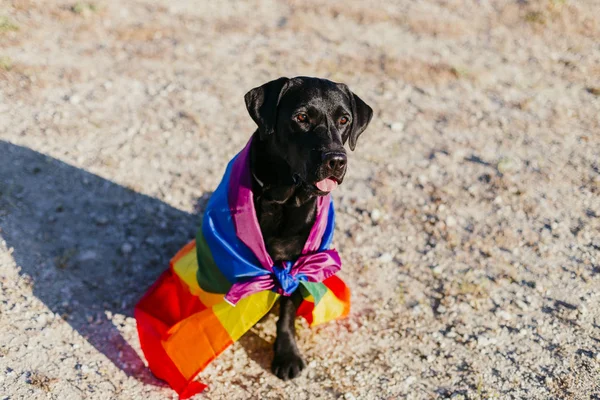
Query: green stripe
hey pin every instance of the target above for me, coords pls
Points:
(210, 278)
(316, 289)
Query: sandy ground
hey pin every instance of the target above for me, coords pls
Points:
(469, 223)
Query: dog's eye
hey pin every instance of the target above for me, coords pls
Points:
(301, 117)
(343, 120)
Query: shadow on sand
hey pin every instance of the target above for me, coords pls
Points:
(69, 230)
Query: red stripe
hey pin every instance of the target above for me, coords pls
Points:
(305, 310)
(160, 308)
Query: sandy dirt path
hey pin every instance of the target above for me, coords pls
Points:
(469, 223)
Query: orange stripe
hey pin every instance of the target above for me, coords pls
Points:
(195, 342)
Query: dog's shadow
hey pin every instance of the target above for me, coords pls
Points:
(258, 349)
(90, 246)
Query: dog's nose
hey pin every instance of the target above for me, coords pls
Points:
(334, 162)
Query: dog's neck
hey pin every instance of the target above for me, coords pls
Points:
(273, 179)
(285, 210)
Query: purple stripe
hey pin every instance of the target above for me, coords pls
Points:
(316, 232)
(241, 204)
(319, 266)
(312, 266)
(257, 284)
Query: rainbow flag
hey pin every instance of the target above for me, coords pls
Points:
(221, 284)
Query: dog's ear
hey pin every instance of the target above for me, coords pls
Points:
(262, 102)
(361, 116)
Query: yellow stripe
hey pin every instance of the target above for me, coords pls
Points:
(328, 309)
(248, 311)
(210, 299)
(186, 267)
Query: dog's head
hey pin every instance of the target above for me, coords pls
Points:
(307, 121)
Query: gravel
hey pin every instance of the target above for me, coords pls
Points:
(468, 223)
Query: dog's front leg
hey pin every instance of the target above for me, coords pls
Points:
(287, 362)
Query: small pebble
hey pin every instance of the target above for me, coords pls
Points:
(127, 248)
(376, 215)
(385, 257)
(42, 320)
(450, 221)
(410, 380)
(505, 315)
(102, 220)
(483, 341)
(397, 126)
(437, 270)
(522, 305)
(87, 255)
(507, 164)
(75, 99)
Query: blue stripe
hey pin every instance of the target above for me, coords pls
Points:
(233, 258)
(328, 234)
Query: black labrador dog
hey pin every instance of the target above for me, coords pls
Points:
(303, 124)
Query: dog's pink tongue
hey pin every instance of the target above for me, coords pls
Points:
(326, 185)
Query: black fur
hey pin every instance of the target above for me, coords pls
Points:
(288, 156)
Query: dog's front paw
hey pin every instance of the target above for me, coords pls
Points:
(287, 365)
